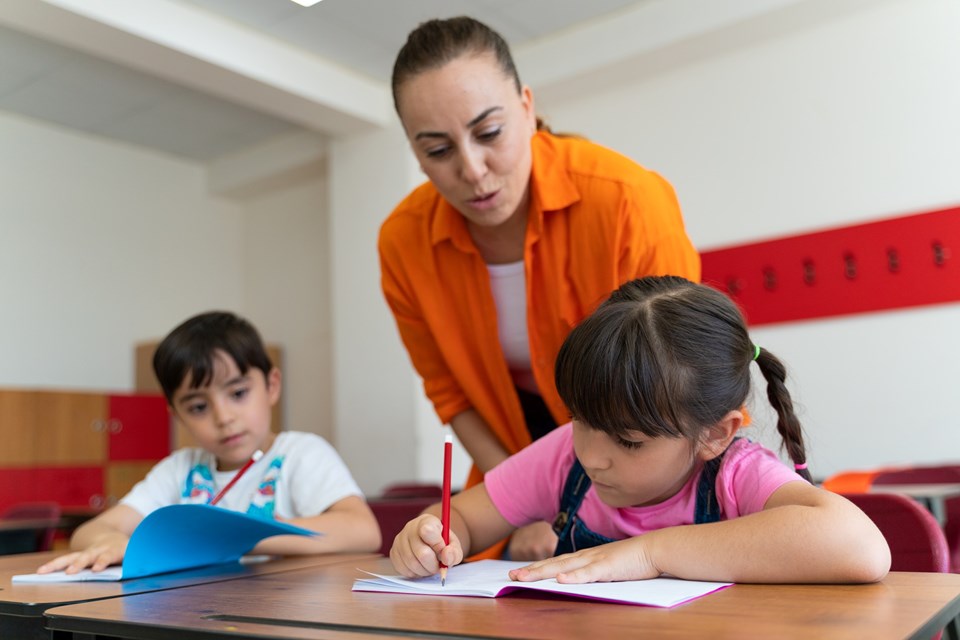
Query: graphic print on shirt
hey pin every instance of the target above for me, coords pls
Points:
(262, 504)
(198, 488)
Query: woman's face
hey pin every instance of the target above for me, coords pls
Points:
(470, 131)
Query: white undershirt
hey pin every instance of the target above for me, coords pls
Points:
(510, 296)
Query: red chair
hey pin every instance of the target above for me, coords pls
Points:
(36, 539)
(393, 513)
(916, 540)
(413, 490)
(949, 474)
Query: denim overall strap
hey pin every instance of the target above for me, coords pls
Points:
(572, 534)
(707, 508)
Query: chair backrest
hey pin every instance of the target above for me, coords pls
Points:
(40, 539)
(413, 490)
(393, 513)
(917, 542)
(933, 474)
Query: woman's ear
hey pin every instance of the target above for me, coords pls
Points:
(716, 439)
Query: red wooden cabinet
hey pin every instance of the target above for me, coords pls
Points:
(82, 450)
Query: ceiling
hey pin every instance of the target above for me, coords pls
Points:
(46, 78)
(222, 82)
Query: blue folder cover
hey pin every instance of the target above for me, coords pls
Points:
(186, 536)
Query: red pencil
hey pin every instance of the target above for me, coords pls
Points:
(256, 456)
(445, 509)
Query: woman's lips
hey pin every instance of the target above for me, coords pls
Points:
(484, 201)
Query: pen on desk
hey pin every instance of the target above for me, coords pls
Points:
(256, 456)
(445, 508)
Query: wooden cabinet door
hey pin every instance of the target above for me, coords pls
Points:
(138, 427)
(43, 428)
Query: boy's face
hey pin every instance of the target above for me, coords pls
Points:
(230, 417)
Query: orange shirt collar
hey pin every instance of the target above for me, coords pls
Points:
(551, 189)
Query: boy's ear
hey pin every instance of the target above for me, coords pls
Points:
(273, 385)
(716, 439)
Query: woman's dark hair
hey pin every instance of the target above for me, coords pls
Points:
(668, 357)
(434, 43)
(190, 349)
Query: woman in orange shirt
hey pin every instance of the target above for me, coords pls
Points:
(517, 236)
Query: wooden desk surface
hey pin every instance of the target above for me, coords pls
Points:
(317, 603)
(22, 605)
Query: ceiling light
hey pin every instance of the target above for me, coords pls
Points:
(307, 3)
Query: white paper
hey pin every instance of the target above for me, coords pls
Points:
(110, 574)
(490, 579)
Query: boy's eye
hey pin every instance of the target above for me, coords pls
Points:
(240, 392)
(196, 408)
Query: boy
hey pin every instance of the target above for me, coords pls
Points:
(221, 385)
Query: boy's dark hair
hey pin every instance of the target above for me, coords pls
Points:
(190, 348)
(668, 357)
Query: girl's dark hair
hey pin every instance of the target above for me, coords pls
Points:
(190, 348)
(434, 43)
(668, 357)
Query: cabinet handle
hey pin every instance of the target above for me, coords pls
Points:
(96, 501)
(97, 425)
(115, 426)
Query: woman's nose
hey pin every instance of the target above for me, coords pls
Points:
(473, 165)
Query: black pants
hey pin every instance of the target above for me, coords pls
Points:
(536, 414)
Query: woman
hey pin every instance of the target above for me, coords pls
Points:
(515, 238)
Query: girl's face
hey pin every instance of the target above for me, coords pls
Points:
(470, 131)
(229, 417)
(635, 471)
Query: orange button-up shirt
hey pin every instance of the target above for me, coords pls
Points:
(597, 220)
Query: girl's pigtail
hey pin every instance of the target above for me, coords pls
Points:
(787, 422)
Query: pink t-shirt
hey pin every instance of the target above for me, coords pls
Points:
(526, 487)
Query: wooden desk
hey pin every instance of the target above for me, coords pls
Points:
(317, 603)
(22, 605)
(933, 496)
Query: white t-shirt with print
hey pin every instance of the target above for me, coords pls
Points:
(300, 476)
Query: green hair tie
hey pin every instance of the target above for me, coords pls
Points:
(756, 351)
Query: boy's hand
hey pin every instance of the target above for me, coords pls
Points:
(622, 560)
(418, 549)
(97, 557)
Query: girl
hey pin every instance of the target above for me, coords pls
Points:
(649, 478)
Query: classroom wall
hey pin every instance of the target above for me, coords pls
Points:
(838, 123)
(102, 245)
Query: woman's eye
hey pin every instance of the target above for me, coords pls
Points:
(490, 134)
(437, 152)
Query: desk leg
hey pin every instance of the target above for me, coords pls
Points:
(952, 630)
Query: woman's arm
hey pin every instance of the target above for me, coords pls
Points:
(478, 439)
(804, 534)
(347, 526)
(98, 543)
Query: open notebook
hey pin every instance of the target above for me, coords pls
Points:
(178, 537)
(490, 579)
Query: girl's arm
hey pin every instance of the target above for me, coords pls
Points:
(803, 534)
(475, 524)
(98, 543)
(347, 526)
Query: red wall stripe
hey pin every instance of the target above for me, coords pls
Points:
(907, 261)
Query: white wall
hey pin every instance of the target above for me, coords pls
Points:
(102, 245)
(286, 274)
(835, 124)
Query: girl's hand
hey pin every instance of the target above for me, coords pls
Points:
(622, 560)
(419, 549)
(97, 558)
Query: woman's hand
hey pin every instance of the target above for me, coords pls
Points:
(535, 541)
(98, 557)
(615, 561)
(419, 549)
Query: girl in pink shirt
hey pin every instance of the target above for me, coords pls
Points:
(649, 478)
